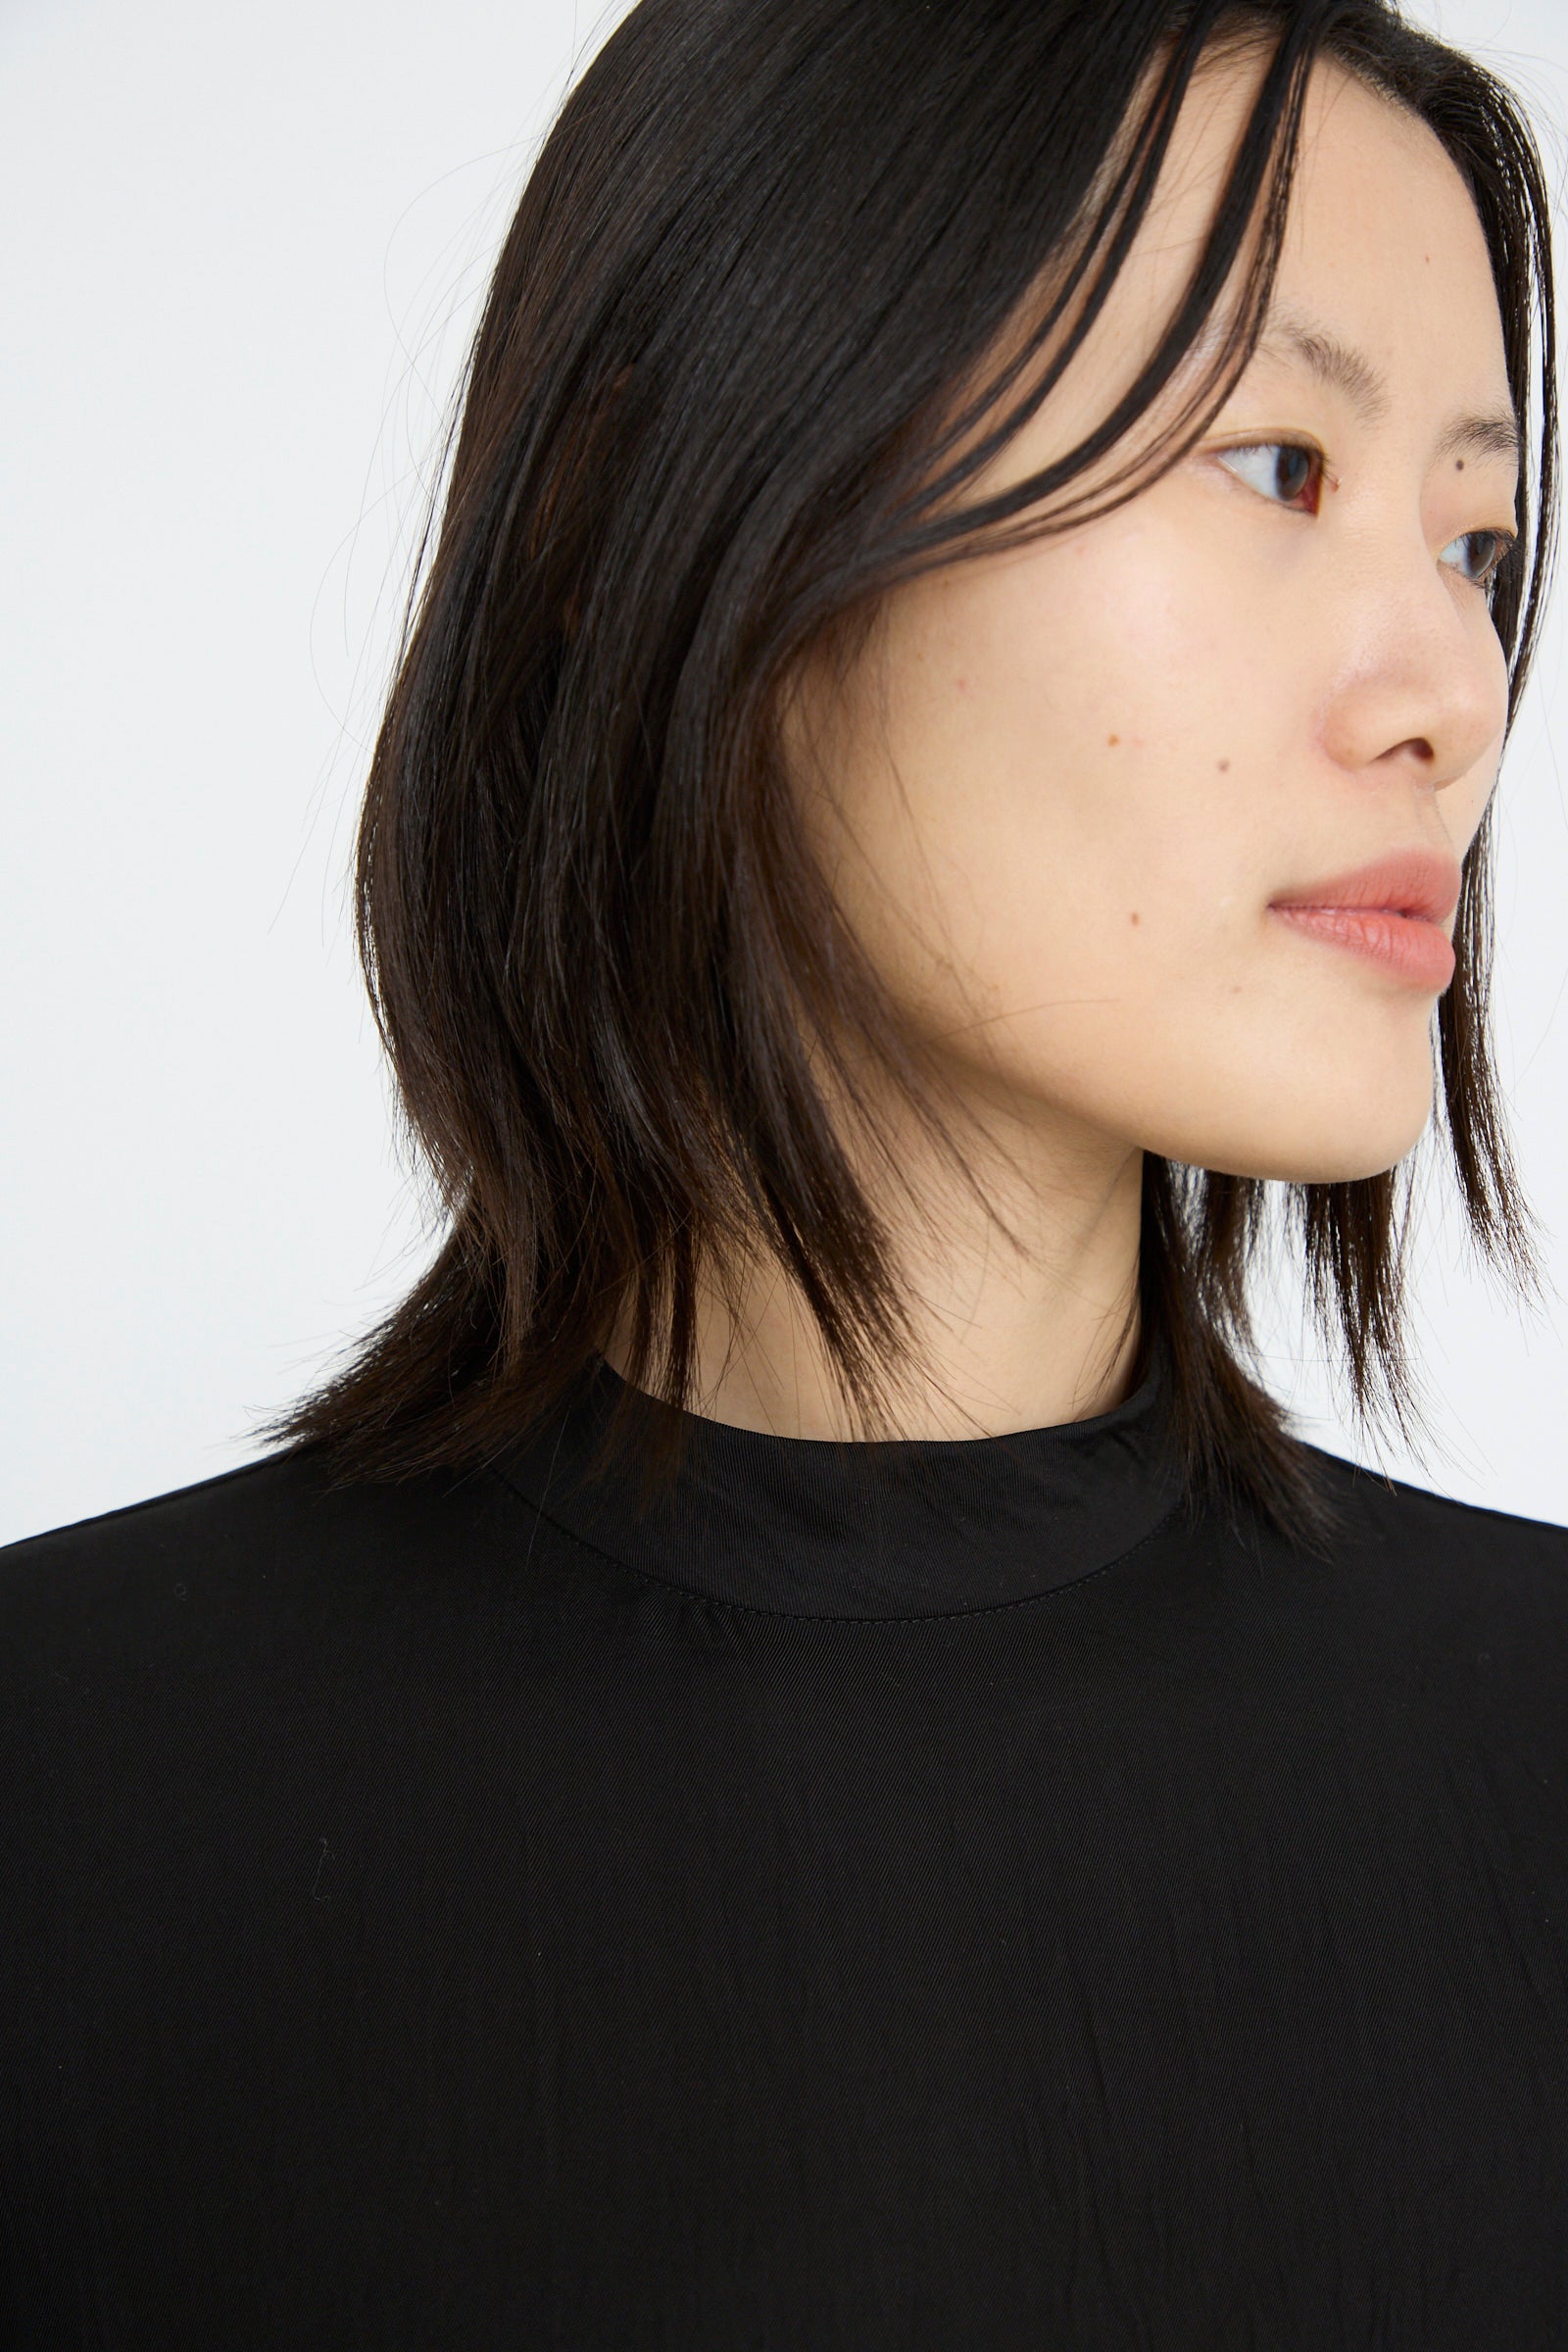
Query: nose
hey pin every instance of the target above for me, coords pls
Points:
(1422, 685)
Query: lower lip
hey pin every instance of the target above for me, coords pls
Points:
(1401, 944)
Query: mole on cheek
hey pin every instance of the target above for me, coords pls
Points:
(1112, 740)
(1224, 767)
(1137, 918)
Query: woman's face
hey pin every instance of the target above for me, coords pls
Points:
(1066, 785)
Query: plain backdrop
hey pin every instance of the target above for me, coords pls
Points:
(243, 250)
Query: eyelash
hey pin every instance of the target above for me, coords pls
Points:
(1503, 541)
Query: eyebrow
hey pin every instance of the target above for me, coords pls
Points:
(1494, 434)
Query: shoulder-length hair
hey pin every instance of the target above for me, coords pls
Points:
(708, 422)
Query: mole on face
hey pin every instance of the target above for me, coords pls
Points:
(1137, 918)
(1112, 740)
(1224, 767)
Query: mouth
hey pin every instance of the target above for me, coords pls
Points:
(1392, 913)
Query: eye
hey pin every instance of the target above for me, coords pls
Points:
(1291, 472)
(1482, 555)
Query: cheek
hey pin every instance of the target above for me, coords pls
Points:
(1465, 804)
(1064, 795)
(1075, 736)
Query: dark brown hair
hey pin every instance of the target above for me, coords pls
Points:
(707, 421)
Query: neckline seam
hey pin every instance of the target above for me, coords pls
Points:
(757, 1608)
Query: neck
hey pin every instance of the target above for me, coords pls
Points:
(1024, 1330)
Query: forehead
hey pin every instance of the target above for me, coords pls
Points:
(1382, 240)
(1415, 299)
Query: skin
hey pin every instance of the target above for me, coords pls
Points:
(1061, 786)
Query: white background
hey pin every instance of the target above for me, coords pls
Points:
(242, 253)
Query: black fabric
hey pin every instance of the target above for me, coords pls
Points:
(923, 1896)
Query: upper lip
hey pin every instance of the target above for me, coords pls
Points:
(1412, 882)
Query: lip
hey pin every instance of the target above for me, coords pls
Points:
(1393, 912)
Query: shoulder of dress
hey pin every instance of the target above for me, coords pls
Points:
(1394, 1511)
(283, 1512)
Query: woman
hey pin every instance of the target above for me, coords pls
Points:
(794, 1754)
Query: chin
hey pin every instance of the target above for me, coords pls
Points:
(1343, 1153)
(1338, 1135)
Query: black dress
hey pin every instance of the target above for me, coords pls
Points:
(923, 1896)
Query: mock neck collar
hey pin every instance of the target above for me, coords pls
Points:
(828, 1528)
